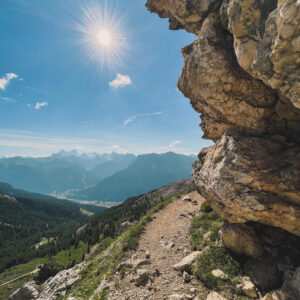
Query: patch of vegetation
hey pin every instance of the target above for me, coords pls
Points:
(102, 296)
(217, 257)
(204, 232)
(61, 260)
(205, 228)
(123, 272)
(205, 207)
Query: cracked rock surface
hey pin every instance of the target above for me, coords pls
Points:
(242, 74)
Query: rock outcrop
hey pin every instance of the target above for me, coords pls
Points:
(242, 74)
(25, 292)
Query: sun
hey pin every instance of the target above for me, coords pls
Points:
(104, 37)
(103, 33)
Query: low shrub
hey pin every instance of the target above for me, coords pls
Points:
(218, 258)
(200, 225)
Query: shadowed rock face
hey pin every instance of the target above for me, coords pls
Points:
(242, 74)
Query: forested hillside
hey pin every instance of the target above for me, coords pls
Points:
(24, 222)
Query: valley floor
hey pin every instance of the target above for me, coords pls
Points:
(166, 240)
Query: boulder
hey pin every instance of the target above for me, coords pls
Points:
(241, 239)
(264, 273)
(241, 75)
(291, 287)
(25, 292)
(187, 262)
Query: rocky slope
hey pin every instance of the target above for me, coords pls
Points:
(242, 75)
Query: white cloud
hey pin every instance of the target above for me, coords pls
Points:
(115, 146)
(4, 81)
(120, 81)
(174, 143)
(38, 105)
(6, 99)
(133, 118)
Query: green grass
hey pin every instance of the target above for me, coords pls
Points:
(86, 212)
(208, 221)
(214, 256)
(43, 241)
(104, 264)
(60, 260)
(218, 257)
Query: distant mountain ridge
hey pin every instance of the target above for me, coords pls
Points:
(107, 177)
(146, 173)
(61, 171)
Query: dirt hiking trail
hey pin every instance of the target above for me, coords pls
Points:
(166, 240)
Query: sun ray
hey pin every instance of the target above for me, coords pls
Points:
(101, 32)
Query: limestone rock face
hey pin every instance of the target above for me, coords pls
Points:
(252, 179)
(267, 41)
(242, 74)
(241, 239)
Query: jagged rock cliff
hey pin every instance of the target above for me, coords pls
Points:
(242, 74)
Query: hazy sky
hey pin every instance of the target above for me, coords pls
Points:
(91, 76)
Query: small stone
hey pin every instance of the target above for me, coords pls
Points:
(219, 274)
(187, 199)
(124, 264)
(142, 277)
(193, 290)
(214, 296)
(186, 277)
(167, 244)
(147, 254)
(186, 263)
(207, 235)
(140, 262)
(248, 287)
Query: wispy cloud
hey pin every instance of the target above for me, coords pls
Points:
(120, 81)
(134, 117)
(5, 80)
(17, 141)
(174, 143)
(38, 105)
(115, 147)
(7, 99)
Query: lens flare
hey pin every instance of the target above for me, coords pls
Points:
(102, 34)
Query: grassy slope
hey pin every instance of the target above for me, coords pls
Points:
(61, 260)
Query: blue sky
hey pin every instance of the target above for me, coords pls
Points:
(60, 88)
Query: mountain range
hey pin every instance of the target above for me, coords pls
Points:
(147, 172)
(107, 177)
